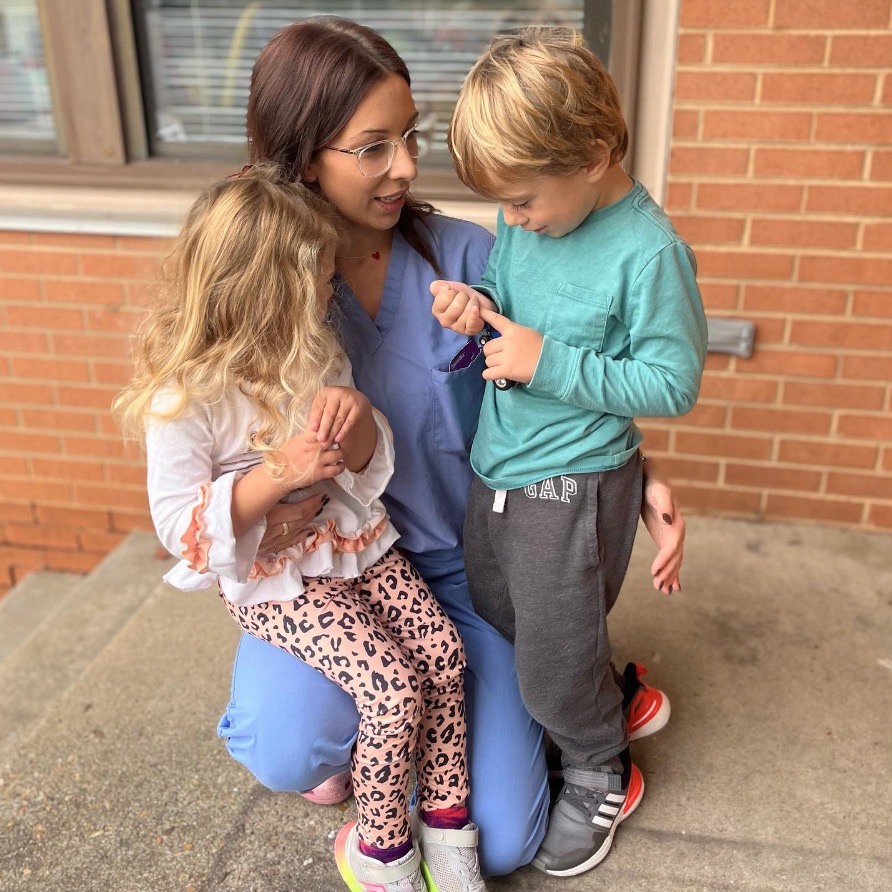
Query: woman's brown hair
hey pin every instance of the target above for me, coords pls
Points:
(306, 84)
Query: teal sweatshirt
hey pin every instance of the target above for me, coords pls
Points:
(624, 333)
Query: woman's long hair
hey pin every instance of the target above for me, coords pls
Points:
(244, 303)
(307, 83)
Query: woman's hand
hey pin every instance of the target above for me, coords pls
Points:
(286, 523)
(665, 523)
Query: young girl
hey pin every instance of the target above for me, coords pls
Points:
(245, 399)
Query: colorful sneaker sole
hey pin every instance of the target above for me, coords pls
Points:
(634, 795)
(344, 868)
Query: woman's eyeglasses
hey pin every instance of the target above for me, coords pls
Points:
(375, 159)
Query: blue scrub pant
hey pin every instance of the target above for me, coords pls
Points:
(293, 728)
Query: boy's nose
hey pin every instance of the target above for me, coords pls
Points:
(512, 217)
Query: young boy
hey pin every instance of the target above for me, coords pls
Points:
(596, 303)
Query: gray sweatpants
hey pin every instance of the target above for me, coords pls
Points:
(545, 571)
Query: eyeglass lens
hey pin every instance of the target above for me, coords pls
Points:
(377, 159)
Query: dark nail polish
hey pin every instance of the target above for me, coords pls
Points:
(667, 518)
(318, 513)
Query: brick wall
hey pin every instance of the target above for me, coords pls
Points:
(780, 177)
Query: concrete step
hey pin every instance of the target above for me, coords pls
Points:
(58, 649)
(29, 603)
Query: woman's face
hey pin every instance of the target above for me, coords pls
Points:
(387, 112)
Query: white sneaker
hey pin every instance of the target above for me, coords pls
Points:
(449, 857)
(364, 874)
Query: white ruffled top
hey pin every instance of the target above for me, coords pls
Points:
(193, 463)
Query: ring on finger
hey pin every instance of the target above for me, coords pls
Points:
(284, 528)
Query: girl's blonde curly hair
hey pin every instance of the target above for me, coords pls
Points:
(244, 302)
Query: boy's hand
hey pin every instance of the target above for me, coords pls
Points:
(334, 412)
(457, 306)
(515, 354)
(666, 525)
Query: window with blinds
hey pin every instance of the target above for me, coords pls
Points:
(26, 115)
(196, 56)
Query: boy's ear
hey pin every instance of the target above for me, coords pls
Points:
(597, 167)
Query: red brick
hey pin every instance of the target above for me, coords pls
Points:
(12, 465)
(141, 294)
(19, 392)
(743, 264)
(880, 169)
(860, 50)
(101, 447)
(794, 299)
(102, 293)
(34, 443)
(803, 233)
(91, 346)
(752, 124)
(866, 427)
(871, 127)
(66, 515)
(838, 511)
(790, 363)
(72, 561)
(37, 536)
(691, 49)
(706, 415)
(720, 295)
(865, 486)
(769, 330)
(878, 237)
(44, 317)
(121, 266)
(846, 270)
(872, 303)
(159, 246)
(50, 369)
(114, 499)
(719, 499)
(771, 420)
(656, 439)
(701, 160)
(869, 200)
(19, 289)
(60, 468)
(34, 491)
(737, 389)
(715, 86)
(812, 163)
(73, 240)
(834, 396)
(47, 419)
(864, 367)
(126, 521)
(722, 445)
(677, 469)
(14, 237)
(818, 89)
(12, 341)
(771, 476)
(880, 516)
(99, 542)
(823, 453)
(852, 335)
(718, 14)
(832, 15)
(887, 459)
(86, 397)
(702, 229)
(680, 196)
(749, 196)
(40, 263)
(127, 475)
(113, 321)
(771, 49)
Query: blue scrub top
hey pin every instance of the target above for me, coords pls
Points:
(401, 362)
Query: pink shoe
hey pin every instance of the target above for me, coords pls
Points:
(332, 791)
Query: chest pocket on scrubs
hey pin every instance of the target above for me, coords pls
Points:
(455, 406)
(578, 316)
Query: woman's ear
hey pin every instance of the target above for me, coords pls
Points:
(600, 163)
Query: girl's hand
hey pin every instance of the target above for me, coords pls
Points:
(665, 523)
(515, 354)
(310, 461)
(286, 523)
(335, 412)
(457, 307)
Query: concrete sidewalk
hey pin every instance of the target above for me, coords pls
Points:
(775, 772)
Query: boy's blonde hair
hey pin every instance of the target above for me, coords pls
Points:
(240, 306)
(533, 105)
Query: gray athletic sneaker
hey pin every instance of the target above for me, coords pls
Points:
(581, 826)
(449, 857)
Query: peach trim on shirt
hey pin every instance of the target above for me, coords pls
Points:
(317, 537)
(196, 548)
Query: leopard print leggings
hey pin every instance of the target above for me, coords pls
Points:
(383, 638)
